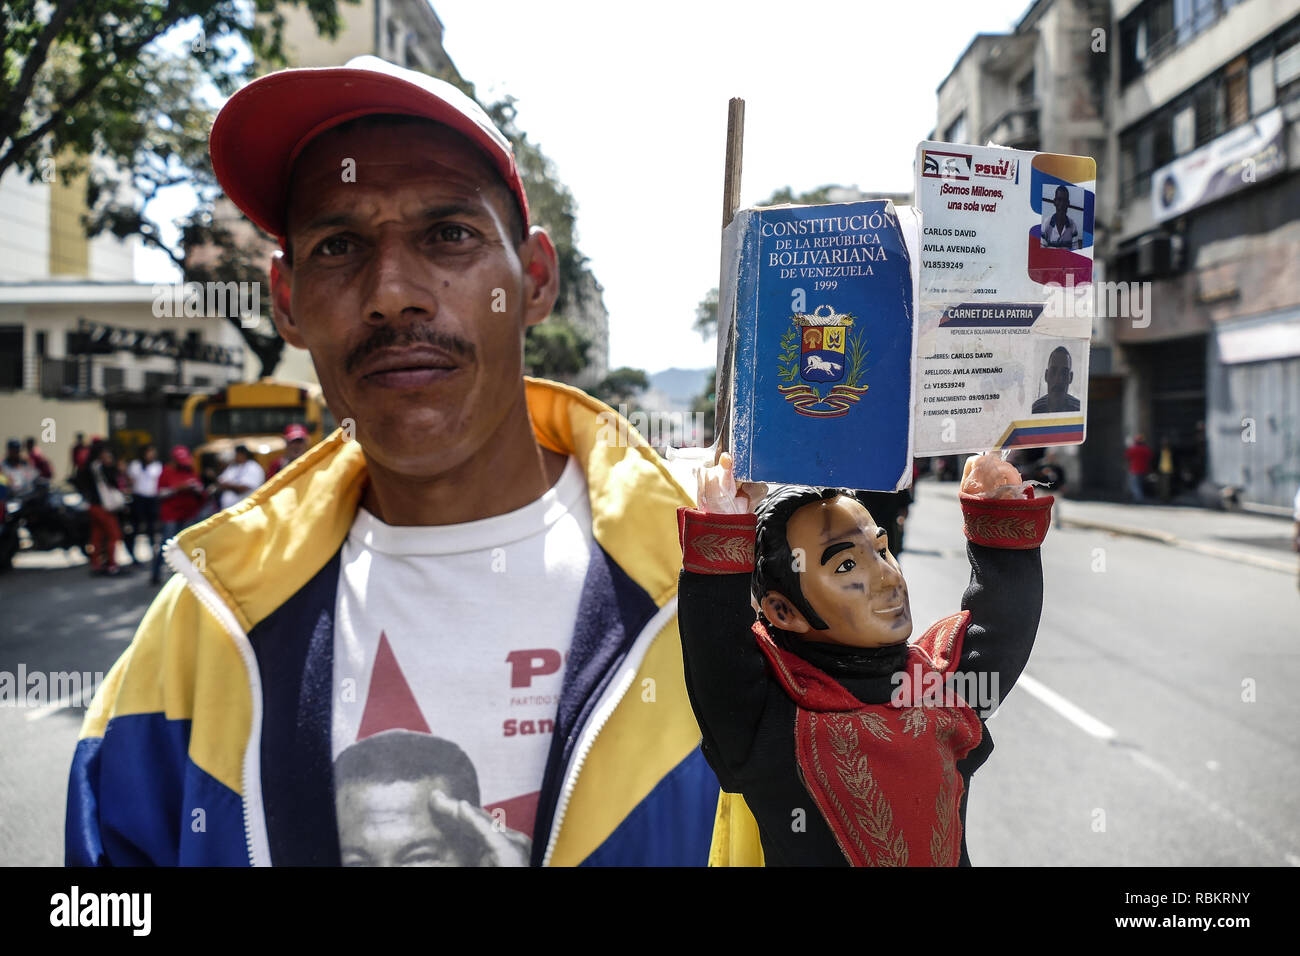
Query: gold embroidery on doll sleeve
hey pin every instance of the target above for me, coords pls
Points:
(724, 547)
(1003, 527)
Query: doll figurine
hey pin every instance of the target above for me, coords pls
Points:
(850, 745)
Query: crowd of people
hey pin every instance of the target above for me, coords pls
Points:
(145, 498)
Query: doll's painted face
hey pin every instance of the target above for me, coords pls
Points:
(849, 578)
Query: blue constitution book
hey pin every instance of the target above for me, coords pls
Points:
(822, 375)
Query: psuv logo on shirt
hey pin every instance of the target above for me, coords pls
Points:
(525, 667)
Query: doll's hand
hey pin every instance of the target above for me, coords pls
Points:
(718, 492)
(990, 477)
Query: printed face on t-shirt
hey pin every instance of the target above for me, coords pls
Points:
(395, 823)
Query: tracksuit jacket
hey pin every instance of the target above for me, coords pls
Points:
(209, 742)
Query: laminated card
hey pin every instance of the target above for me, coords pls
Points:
(1005, 300)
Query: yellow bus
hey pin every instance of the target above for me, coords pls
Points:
(254, 414)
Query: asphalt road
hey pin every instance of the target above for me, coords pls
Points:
(1157, 725)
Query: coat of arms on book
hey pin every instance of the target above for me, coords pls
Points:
(823, 363)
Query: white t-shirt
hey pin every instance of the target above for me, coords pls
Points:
(144, 478)
(249, 474)
(449, 651)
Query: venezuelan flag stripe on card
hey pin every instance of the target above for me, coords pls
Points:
(1042, 431)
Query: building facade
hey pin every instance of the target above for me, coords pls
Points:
(76, 328)
(1207, 209)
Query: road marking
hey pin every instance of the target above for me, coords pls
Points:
(1095, 728)
(1212, 806)
(1076, 715)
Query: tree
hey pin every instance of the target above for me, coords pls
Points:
(813, 197)
(706, 314)
(85, 80)
(620, 386)
(555, 349)
(707, 403)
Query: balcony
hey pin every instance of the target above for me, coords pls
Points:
(1016, 127)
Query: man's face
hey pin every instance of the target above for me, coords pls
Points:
(1058, 375)
(392, 824)
(1062, 203)
(411, 292)
(296, 447)
(850, 579)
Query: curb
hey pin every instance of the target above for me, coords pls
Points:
(1165, 538)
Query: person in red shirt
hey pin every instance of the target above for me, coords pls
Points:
(296, 438)
(36, 458)
(80, 452)
(180, 496)
(1139, 455)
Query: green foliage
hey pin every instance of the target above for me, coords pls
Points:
(813, 197)
(621, 386)
(790, 354)
(555, 349)
(81, 79)
(857, 360)
(706, 314)
(707, 403)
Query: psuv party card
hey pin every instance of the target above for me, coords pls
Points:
(823, 358)
(1005, 300)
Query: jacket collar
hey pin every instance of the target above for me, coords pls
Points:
(260, 552)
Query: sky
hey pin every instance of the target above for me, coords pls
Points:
(630, 103)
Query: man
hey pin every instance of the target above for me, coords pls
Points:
(143, 474)
(240, 477)
(80, 451)
(1058, 377)
(98, 481)
(17, 471)
(1060, 232)
(1139, 455)
(412, 799)
(477, 561)
(36, 458)
(180, 498)
(295, 443)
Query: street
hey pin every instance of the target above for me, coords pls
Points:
(1153, 726)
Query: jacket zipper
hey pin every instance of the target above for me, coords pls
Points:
(605, 708)
(208, 598)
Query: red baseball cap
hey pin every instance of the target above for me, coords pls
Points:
(265, 126)
(294, 432)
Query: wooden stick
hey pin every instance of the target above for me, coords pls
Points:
(730, 203)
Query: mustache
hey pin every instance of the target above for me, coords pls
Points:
(386, 337)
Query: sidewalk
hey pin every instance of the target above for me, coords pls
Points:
(1258, 540)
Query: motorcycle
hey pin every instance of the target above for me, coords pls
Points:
(48, 517)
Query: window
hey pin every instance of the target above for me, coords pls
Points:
(1184, 131)
(153, 380)
(1262, 92)
(956, 131)
(11, 356)
(1025, 88)
(1237, 95)
(254, 420)
(1288, 65)
(1208, 100)
(113, 378)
